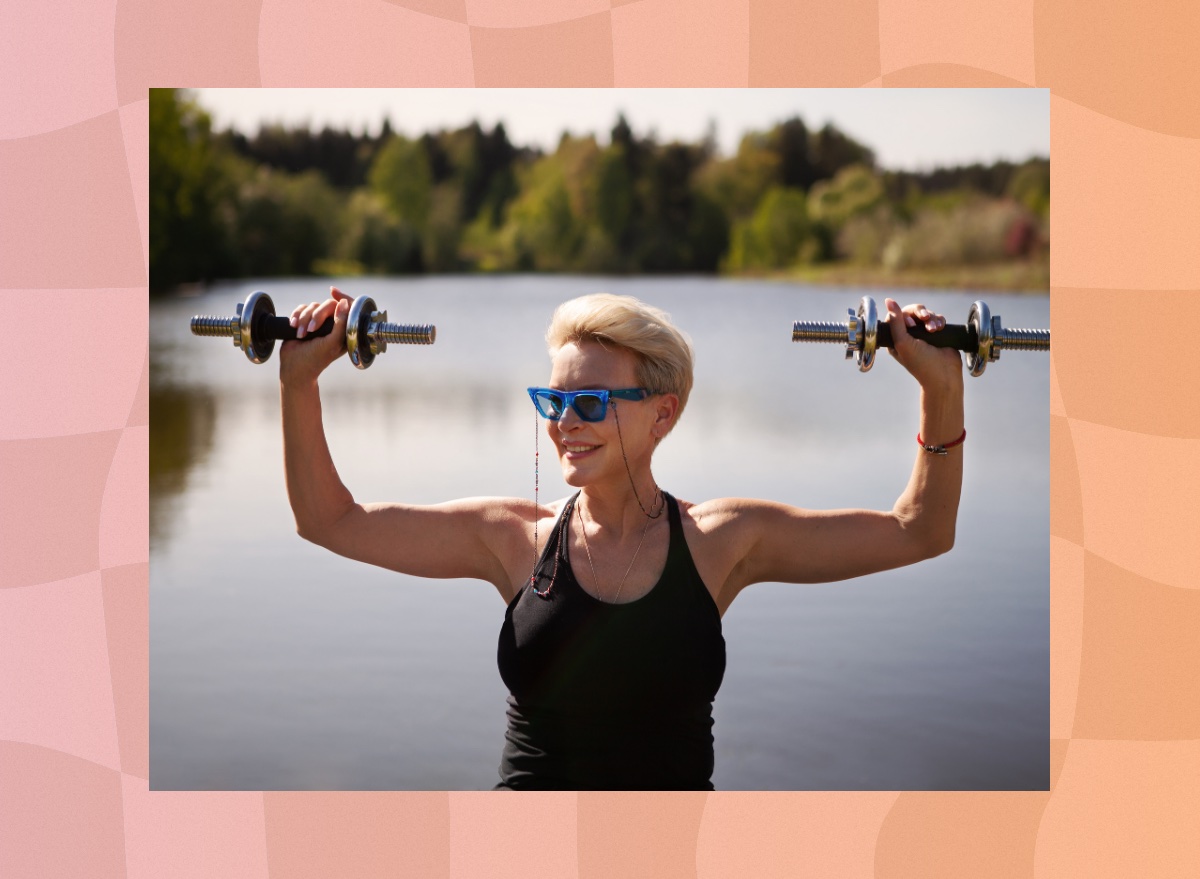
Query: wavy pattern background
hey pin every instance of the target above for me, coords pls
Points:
(1125, 446)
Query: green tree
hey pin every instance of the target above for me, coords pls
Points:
(738, 184)
(855, 189)
(545, 225)
(541, 231)
(664, 209)
(403, 177)
(830, 150)
(707, 234)
(443, 229)
(790, 141)
(190, 194)
(285, 222)
(612, 197)
(774, 238)
(1030, 187)
(375, 239)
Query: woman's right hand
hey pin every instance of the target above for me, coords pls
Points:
(305, 359)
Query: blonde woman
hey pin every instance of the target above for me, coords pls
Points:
(611, 645)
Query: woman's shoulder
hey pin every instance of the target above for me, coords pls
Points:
(720, 532)
(502, 511)
(720, 515)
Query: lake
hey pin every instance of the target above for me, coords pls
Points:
(275, 664)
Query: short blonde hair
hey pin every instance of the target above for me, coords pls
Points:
(663, 352)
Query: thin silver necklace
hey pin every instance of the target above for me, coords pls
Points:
(588, 550)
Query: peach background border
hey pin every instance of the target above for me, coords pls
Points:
(1125, 439)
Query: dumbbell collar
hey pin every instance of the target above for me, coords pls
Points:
(862, 334)
(257, 303)
(363, 342)
(987, 329)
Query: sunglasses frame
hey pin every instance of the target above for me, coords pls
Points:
(568, 399)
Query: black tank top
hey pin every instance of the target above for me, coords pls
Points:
(611, 696)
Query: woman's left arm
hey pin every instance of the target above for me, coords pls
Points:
(779, 543)
(928, 508)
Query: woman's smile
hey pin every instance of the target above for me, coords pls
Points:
(575, 451)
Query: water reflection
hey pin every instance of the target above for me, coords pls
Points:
(183, 431)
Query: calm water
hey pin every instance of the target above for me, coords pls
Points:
(275, 664)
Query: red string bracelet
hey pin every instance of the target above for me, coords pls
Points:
(941, 450)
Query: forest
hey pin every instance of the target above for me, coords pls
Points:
(793, 201)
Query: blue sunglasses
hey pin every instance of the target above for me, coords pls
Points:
(588, 405)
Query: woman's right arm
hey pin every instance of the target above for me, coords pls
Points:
(481, 538)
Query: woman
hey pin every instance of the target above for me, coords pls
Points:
(611, 645)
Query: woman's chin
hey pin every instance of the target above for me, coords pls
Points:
(573, 477)
(578, 474)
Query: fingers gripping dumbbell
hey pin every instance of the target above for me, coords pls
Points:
(982, 337)
(255, 329)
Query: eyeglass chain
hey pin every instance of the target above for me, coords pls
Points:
(661, 503)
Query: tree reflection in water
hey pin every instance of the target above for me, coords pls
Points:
(182, 429)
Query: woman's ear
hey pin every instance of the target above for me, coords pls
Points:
(666, 408)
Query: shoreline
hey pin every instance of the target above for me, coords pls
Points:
(1031, 278)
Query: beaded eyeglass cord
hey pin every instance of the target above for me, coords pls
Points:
(537, 430)
(657, 501)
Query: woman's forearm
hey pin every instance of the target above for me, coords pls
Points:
(314, 488)
(928, 508)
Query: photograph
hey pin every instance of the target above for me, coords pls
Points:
(413, 354)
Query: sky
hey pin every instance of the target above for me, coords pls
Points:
(909, 129)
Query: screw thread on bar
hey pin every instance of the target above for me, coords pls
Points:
(406, 334)
(820, 331)
(1012, 339)
(207, 325)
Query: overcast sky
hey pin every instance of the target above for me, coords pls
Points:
(907, 128)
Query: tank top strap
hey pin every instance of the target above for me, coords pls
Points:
(678, 548)
(679, 556)
(673, 514)
(553, 556)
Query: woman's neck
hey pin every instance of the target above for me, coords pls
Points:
(616, 508)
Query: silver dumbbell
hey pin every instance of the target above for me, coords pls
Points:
(982, 337)
(255, 329)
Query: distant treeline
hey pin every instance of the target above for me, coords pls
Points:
(292, 201)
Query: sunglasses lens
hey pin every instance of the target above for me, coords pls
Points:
(549, 404)
(590, 407)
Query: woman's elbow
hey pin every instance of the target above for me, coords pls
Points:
(313, 532)
(927, 538)
(322, 525)
(940, 543)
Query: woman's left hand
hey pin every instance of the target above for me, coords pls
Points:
(934, 368)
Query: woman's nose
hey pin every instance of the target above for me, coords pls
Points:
(569, 420)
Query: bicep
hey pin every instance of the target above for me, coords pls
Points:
(464, 538)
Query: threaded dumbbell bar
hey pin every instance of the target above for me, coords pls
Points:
(255, 329)
(982, 337)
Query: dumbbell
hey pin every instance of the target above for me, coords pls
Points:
(255, 329)
(982, 337)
